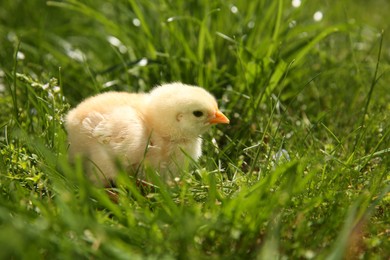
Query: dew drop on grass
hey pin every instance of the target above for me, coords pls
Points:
(234, 9)
(251, 24)
(76, 54)
(292, 24)
(318, 16)
(171, 19)
(20, 55)
(109, 84)
(309, 254)
(214, 142)
(143, 62)
(296, 3)
(136, 22)
(12, 37)
(122, 49)
(114, 41)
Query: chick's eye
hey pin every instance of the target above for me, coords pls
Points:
(197, 113)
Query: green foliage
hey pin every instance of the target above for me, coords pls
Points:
(301, 172)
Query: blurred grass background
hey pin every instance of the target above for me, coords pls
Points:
(301, 172)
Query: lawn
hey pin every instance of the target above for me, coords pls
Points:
(301, 172)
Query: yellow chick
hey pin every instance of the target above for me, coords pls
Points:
(161, 129)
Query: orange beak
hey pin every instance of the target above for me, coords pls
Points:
(219, 118)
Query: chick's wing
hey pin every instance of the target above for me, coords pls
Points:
(123, 126)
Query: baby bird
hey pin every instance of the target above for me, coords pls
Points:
(160, 129)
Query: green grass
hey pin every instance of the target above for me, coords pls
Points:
(301, 172)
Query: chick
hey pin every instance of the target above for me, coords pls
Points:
(160, 129)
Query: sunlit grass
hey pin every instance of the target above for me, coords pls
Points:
(301, 171)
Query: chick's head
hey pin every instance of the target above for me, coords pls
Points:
(181, 111)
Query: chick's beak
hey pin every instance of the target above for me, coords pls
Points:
(219, 118)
